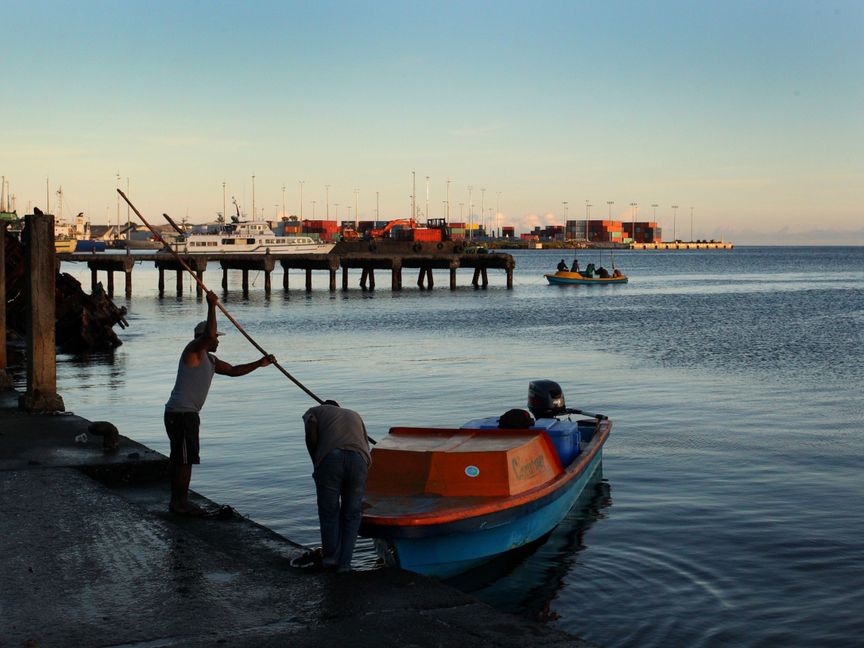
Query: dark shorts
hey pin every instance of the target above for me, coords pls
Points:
(182, 429)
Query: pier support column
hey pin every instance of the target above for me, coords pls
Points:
(332, 279)
(453, 267)
(485, 277)
(284, 278)
(199, 292)
(368, 277)
(225, 279)
(509, 271)
(161, 281)
(128, 277)
(5, 380)
(245, 282)
(178, 282)
(476, 278)
(40, 282)
(344, 277)
(94, 280)
(396, 275)
(266, 282)
(110, 283)
(308, 279)
(425, 276)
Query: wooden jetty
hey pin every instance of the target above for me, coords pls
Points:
(366, 256)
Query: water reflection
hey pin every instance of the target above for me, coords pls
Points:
(527, 581)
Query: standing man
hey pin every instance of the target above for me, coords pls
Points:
(339, 446)
(194, 374)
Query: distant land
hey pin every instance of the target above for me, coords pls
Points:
(785, 237)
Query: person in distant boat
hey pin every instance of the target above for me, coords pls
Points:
(602, 272)
(194, 374)
(589, 270)
(616, 272)
(562, 266)
(575, 266)
(339, 447)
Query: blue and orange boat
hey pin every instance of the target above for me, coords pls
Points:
(565, 277)
(441, 501)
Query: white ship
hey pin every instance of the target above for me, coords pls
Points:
(249, 237)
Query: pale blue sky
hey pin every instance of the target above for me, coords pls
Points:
(750, 112)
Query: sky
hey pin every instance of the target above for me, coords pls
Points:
(747, 115)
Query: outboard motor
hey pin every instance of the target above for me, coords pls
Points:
(545, 398)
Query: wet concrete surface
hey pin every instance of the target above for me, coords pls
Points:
(91, 557)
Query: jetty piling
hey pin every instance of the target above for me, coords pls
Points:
(40, 265)
(5, 380)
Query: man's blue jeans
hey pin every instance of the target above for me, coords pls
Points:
(340, 483)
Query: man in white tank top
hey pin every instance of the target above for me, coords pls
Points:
(194, 374)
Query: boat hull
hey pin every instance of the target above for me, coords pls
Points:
(446, 552)
(575, 278)
(426, 517)
(89, 245)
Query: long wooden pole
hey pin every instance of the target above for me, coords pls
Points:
(218, 303)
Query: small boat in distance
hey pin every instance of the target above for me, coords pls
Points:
(563, 277)
(440, 502)
(248, 237)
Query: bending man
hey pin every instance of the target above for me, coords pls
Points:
(337, 442)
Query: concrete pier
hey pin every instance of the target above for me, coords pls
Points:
(394, 256)
(93, 558)
(683, 245)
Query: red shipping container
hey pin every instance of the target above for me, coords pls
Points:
(430, 235)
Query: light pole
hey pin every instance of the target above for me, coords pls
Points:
(413, 195)
(691, 224)
(254, 213)
(283, 201)
(482, 196)
(117, 226)
(427, 198)
(674, 221)
(470, 220)
(301, 198)
(313, 209)
(498, 212)
(336, 205)
(654, 218)
(356, 208)
(327, 199)
(224, 203)
(633, 207)
(447, 212)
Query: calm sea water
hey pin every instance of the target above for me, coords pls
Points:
(730, 509)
